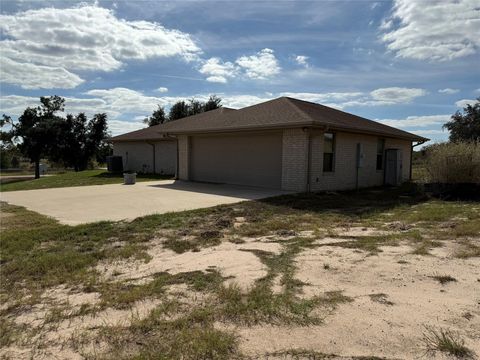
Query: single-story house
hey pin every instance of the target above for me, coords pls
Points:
(284, 143)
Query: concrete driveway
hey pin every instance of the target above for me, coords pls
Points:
(83, 204)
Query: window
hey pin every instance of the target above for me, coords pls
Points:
(380, 151)
(328, 152)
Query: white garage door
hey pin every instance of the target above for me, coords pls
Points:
(254, 160)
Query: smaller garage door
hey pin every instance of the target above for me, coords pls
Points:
(254, 159)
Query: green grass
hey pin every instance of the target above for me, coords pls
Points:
(81, 178)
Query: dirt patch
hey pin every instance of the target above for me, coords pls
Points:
(230, 259)
(381, 328)
(56, 338)
(356, 231)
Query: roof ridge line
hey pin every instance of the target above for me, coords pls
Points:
(297, 109)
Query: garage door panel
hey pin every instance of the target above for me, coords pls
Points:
(237, 159)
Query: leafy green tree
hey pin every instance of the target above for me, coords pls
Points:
(178, 110)
(33, 132)
(41, 133)
(183, 109)
(158, 117)
(79, 140)
(195, 107)
(214, 102)
(465, 126)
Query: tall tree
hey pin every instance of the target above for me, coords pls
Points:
(41, 133)
(178, 110)
(183, 109)
(158, 117)
(80, 140)
(213, 102)
(33, 131)
(465, 126)
(195, 107)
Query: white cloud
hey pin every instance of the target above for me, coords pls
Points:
(386, 24)
(162, 89)
(463, 103)
(117, 127)
(14, 105)
(396, 95)
(31, 76)
(323, 98)
(217, 70)
(302, 60)
(121, 103)
(448, 91)
(262, 65)
(416, 121)
(429, 132)
(433, 30)
(86, 37)
(123, 100)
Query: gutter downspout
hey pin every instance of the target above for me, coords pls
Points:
(153, 149)
(411, 156)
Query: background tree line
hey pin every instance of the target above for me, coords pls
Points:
(74, 140)
(182, 109)
(41, 132)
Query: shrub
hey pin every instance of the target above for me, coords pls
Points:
(453, 163)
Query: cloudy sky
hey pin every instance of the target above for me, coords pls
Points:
(410, 64)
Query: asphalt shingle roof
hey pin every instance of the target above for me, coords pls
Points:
(283, 112)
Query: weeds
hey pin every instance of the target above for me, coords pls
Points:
(446, 341)
(467, 250)
(121, 295)
(191, 336)
(444, 279)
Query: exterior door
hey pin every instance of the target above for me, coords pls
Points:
(393, 167)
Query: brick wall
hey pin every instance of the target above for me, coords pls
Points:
(345, 175)
(294, 159)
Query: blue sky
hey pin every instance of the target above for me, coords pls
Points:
(410, 64)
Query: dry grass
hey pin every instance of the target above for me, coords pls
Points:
(453, 163)
(444, 279)
(446, 341)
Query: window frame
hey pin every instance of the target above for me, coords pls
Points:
(332, 160)
(381, 154)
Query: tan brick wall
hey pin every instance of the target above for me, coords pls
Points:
(183, 157)
(345, 174)
(294, 159)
